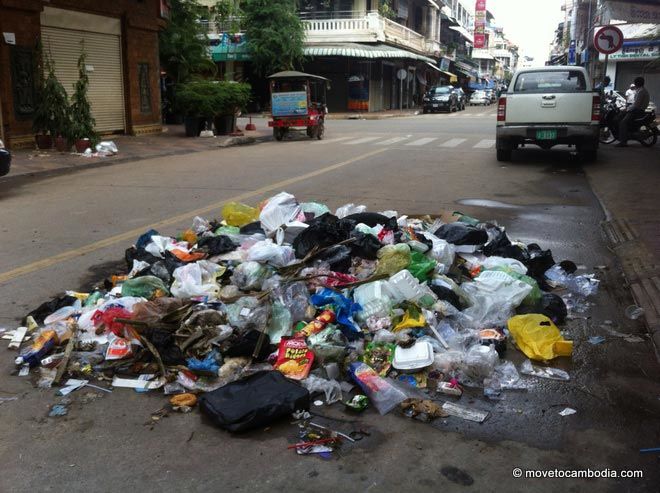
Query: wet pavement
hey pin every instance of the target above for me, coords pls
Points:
(109, 442)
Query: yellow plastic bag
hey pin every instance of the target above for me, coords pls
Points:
(538, 337)
(411, 318)
(237, 214)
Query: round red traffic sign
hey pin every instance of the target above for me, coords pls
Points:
(608, 40)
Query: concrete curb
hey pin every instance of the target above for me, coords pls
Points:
(63, 170)
(640, 272)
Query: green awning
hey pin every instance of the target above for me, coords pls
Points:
(357, 50)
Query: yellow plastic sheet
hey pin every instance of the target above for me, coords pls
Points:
(538, 337)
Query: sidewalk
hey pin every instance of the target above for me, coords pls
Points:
(626, 184)
(171, 141)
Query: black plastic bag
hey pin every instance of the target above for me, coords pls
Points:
(323, 231)
(216, 245)
(165, 343)
(373, 219)
(139, 254)
(252, 228)
(45, 309)
(365, 246)
(244, 345)
(447, 294)
(254, 402)
(553, 307)
(539, 262)
(338, 258)
(462, 234)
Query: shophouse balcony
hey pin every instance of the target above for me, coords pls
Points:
(361, 27)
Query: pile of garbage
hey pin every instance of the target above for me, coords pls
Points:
(251, 317)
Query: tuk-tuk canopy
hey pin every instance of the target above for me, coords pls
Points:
(292, 74)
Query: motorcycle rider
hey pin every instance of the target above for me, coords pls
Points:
(636, 110)
(630, 95)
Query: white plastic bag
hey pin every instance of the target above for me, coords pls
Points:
(441, 251)
(268, 252)
(348, 209)
(279, 210)
(196, 279)
(511, 263)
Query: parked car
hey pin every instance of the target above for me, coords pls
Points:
(440, 98)
(492, 96)
(5, 160)
(462, 98)
(479, 98)
(549, 106)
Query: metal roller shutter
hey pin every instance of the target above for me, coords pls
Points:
(106, 85)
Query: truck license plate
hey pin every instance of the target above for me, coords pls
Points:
(546, 134)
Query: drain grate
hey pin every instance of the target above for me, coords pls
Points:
(619, 231)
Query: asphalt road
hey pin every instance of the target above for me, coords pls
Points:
(68, 231)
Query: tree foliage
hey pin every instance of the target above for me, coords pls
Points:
(82, 121)
(52, 109)
(275, 35)
(184, 46)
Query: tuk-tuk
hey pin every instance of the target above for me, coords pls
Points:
(297, 100)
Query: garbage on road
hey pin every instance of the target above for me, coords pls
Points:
(251, 317)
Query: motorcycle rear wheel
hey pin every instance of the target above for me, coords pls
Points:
(605, 136)
(651, 138)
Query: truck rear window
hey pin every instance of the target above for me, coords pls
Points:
(550, 81)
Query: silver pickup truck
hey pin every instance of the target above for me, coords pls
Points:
(549, 106)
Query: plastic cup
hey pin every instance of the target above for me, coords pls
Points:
(633, 312)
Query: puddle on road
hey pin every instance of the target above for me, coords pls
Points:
(488, 203)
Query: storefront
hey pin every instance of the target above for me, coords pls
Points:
(120, 40)
(371, 77)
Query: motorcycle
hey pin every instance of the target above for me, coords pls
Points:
(643, 129)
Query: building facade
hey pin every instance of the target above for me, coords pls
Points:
(120, 39)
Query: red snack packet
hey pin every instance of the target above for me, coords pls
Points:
(294, 358)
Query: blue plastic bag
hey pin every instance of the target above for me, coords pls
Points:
(343, 308)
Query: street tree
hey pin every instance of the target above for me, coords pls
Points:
(275, 35)
(184, 45)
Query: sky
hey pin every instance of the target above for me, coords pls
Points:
(530, 24)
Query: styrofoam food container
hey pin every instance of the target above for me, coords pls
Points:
(416, 357)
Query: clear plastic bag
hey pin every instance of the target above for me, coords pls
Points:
(280, 324)
(382, 394)
(196, 279)
(479, 362)
(442, 251)
(248, 313)
(393, 258)
(330, 388)
(249, 276)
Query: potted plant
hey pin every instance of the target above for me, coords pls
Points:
(81, 131)
(198, 102)
(51, 118)
(231, 98)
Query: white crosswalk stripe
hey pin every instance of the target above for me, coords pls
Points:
(332, 141)
(452, 143)
(421, 142)
(363, 140)
(484, 144)
(391, 141)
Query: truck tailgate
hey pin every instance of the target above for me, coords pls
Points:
(549, 108)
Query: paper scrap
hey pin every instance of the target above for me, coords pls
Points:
(567, 411)
(16, 340)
